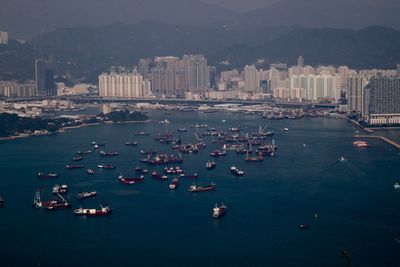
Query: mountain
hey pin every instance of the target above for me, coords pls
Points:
(27, 18)
(350, 14)
(371, 47)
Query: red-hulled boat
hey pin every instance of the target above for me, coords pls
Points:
(42, 175)
(103, 211)
(218, 153)
(219, 211)
(195, 188)
(74, 166)
(141, 171)
(126, 180)
(158, 176)
(174, 184)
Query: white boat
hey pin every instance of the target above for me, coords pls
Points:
(165, 121)
(285, 129)
(342, 159)
(219, 211)
(396, 185)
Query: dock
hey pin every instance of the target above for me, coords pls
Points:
(385, 139)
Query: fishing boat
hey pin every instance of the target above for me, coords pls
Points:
(195, 188)
(185, 175)
(83, 195)
(90, 171)
(84, 152)
(235, 171)
(74, 166)
(126, 180)
(158, 176)
(108, 154)
(42, 175)
(219, 211)
(211, 165)
(174, 184)
(60, 189)
(103, 211)
(141, 171)
(106, 166)
(77, 158)
(131, 143)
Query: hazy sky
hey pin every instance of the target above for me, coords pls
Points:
(241, 5)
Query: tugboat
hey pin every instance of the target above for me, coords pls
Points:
(103, 211)
(42, 175)
(60, 189)
(174, 184)
(235, 171)
(131, 143)
(219, 211)
(90, 171)
(141, 171)
(77, 158)
(158, 176)
(195, 188)
(211, 165)
(108, 154)
(74, 166)
(83, 195)
(106, 166)
(130, 181)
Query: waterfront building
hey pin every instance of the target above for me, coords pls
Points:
(355, 93)
(125, 85)
(3, 37)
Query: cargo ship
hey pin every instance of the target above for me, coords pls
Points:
(84, 152)
(173, 170)
(131, 143)
(103, 211)
(142, 133)
(106, 166)
(141, 171)
(195, 188)
(126, 180)
(108, 154)
(174, 184)
(83, 195)
(158, 176)
(74, 166)
(219, 211)
(42, 175)
(218, 153)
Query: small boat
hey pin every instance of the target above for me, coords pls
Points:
(131, 143)
(218, 153)
(285, 129)
(342, 159)
(59, 206)
(106, 166)
(77, 158)
(219, 211)
(1, 201)
(195, 188)
(172, 170)
(83, 195)
(108, 154)
(174, 184)
(303, 226)
(234, 129)
(42, 175)
(90, 171)
(60, 189)
(185, 175)
(211, 165)
(142, 133)
(103, 211)
(84, 152)
(182, 130)
(360, 143)
(141, 171)
(235, 171)
(126, 180)
(396, 185)
(74, 166)
(165, 121)
(158, 176)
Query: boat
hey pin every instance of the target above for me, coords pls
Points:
(1, 201)
(57, 204)
(90, 171)
(285, 129)
(108, 154)
(174, 184)
(60, 189)
(211, 165)
(258, 158)
(182, 130)
(219, 211)
(396, 185)
(235, 171)
(195, 188)
(234, 129)
(106, 166)
(218, 153)
(83, 195)
(141, 171)
(42, 175)
(194, 175)
(158, 176)
(360, 143)
(126, 180)
(303, 226)
(142, 133)
(74, 166)
(131, 143)
(39, 203)
(77, 158)
(103, 211)
(342, 159)
(173, 170)
(84, 152)
(165, 121)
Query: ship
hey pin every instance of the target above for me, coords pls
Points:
(142, 133)
(106, 166)
(174, 184)
(42, 175)
(83, 195)
(158, 176)
(108, 154)
(60, 189)
(211, 165)
(185, 175)
(77, 158)
(84, 152)
(258, 158)
(173, 170)
(182, 130)
(219, 211)
(141, 171)
(103, 211)
(235, 171)
(195, 188)
(58, 205)
(360, 143)
(218, 153)
(90, 171)
(39, 203)
(1, 201)
(234, 129)
(131, 143)
(74, 166)
(126, 180)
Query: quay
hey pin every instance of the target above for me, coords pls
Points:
(385, 139)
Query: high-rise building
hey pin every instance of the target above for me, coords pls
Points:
(251, 79)
(355, 93)
(125, 85)
(300, 62)
(14, 89)
(383, 98)
(3, 37)
(197, 73)
(398, 69)
(44, 77)
(144, 68)
(344, 72)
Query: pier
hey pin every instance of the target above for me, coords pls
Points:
(387, 140)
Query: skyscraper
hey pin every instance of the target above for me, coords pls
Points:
(251, 79)
(144, 68)
(197, 73)
(127, 85)
(355, 94)
(44, 77)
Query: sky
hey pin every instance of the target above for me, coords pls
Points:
(241, 5)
